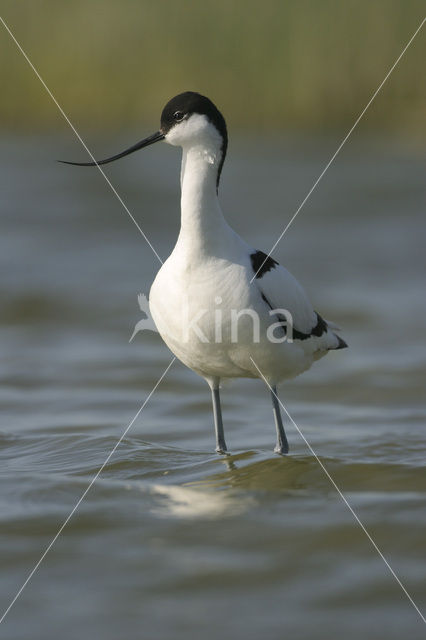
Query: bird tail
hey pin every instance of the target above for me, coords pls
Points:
(333, 326)
(341, 344)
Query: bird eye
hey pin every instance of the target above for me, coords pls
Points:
(178, 115)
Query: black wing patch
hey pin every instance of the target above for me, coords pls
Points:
(318, 330)
(320, 327)
(261, 263)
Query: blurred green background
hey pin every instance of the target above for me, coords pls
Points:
(287, 65)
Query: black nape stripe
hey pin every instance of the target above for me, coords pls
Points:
(262, 263)
(190, 102)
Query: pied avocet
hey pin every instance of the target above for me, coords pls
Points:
(226, 310)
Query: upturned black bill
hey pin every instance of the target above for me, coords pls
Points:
(156, 137)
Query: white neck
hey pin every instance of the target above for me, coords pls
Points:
(202, 221)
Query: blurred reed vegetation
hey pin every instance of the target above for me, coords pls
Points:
(272, 65)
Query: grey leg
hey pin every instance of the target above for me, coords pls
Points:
(218, 424)
(282, 444)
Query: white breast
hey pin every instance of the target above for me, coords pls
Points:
(192, 307)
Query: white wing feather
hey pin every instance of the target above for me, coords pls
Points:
(283, 291)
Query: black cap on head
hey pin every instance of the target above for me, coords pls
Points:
(187, 103)
(176, 110)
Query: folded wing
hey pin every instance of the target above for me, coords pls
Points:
(280, 290)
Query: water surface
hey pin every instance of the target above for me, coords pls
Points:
(173, 541)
